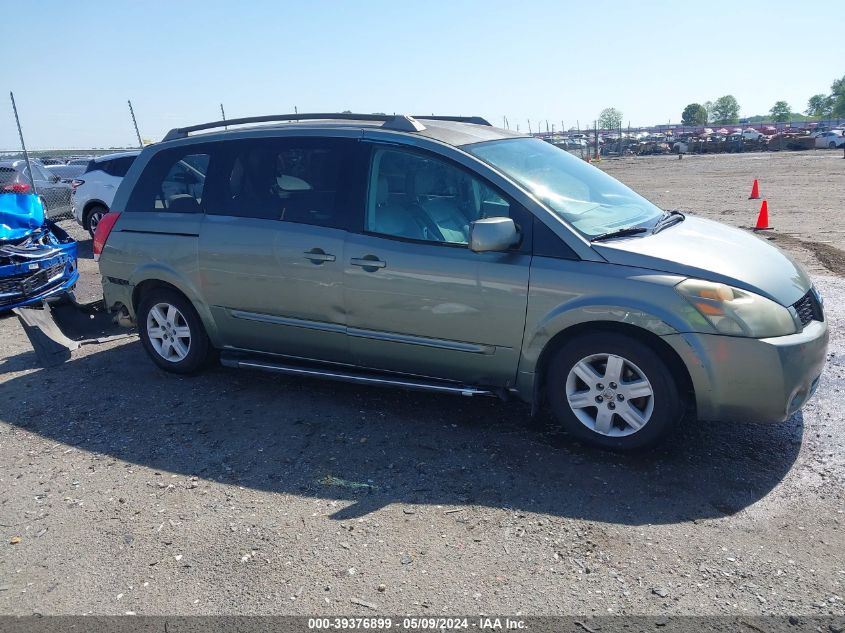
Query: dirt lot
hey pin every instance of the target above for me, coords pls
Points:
(124, 489)
(805, 192)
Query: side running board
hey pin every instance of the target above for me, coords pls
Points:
(347, 375)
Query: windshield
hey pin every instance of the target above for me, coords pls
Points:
(586, 197)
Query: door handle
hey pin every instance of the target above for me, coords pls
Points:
(370, 261)
(318, 256)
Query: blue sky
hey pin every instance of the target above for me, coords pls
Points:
(541, 60)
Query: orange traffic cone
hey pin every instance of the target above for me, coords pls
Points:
(755, 191)
(763, 218)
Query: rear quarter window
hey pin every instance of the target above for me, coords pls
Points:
(98, 165)
(119, 166)
(172, 181)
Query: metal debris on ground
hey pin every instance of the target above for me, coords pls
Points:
(328, 480)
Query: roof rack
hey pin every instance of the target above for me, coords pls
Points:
(401, 122)
(458, 119)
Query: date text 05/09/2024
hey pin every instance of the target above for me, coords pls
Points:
(418, 624)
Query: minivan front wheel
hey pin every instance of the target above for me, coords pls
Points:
(172, 332)
(613, 391)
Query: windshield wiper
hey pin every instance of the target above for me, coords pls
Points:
(669, 218)
(631, 230)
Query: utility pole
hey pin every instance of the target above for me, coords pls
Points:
(135, 123)
(23, 145)
(596, 124)
(529, 127)
(223, 114)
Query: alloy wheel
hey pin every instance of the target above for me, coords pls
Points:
(168, 332)
(94, 220)
(609, 395)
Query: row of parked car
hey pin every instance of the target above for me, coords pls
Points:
(705, 140)
(82, 187)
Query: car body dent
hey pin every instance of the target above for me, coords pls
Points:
(757, 380)
(176, 262)
(554, 308)
(124, 294)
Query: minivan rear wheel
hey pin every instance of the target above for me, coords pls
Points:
(172, 332)
(613, 391)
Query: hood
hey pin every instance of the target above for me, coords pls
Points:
(715, 252)
(20, 215)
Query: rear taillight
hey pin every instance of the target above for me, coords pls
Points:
(102, 233)
(76, 182)
(18, 187)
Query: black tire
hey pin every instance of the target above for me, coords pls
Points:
(199, 350)
(666, 401)
(97, 209)
(831, 145)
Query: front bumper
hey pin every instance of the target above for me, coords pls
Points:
(67, 283)
(748, 379)
(31, 280)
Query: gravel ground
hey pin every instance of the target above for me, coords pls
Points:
(124, 489)
(804, 191)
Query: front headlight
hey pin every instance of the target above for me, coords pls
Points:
(737, 312)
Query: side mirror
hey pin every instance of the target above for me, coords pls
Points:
(492, 234)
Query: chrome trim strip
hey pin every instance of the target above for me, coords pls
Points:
(279, 320)
(354, 378)
(388, 337)
(392, 337)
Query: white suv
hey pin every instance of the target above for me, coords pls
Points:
(94, 190)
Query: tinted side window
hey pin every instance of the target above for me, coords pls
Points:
(174, 181)
(119, 166)
(303, 180)
(8, 176)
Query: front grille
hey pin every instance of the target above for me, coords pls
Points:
(808, 308)
(15, 288)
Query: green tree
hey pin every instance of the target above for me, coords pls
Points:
(694, 114)
(780, 111)
(725, 110)
(837, 94)
(610, 119)
(819, 105)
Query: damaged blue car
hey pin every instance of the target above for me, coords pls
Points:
(37, 257)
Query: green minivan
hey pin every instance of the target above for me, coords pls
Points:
(444, 254)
